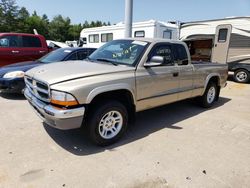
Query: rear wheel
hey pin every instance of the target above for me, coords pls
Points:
(210, 95)
(107, 122)
(241, 76)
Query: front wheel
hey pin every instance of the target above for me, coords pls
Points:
(107, 122)
(209, 97)
(241, 76)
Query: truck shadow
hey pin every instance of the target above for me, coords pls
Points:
(12, 96)
(147, 123)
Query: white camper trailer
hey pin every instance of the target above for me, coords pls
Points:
(223, 40)
(96, 37)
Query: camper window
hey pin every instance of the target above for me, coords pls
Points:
(94, 38)
(222, 35)
(167, 34)
(106, 37)
(139, 34)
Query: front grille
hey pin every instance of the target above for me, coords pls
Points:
(38, 88)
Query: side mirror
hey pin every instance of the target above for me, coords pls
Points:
(154, 61)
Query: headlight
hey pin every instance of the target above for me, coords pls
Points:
(14, 74)
(62, 98)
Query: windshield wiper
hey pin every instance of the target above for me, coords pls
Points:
(107, 60)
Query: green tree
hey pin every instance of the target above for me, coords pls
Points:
(8, 15)
(74, 32)
(59, 28)
(36, 22)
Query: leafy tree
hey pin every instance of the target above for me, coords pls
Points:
(15, 19)
(58, 28)
(74, 32)
(8, 15)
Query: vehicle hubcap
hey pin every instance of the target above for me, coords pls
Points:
(211, 95)
(110, 124)
(241, 76)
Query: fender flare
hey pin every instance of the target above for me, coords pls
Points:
(208, 78)
(108, 88)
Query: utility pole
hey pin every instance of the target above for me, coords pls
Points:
(128, 18)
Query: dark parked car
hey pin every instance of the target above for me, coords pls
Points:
(11, 76)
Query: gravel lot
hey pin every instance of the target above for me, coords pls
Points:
(178, 145)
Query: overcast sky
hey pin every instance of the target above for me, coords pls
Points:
(163, 10)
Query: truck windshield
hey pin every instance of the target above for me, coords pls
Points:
(56, 55)
(125, 52)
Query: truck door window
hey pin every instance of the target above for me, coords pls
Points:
(9, 41)
(222, 35)
(165, 51)
(29, 41)
(180, 54)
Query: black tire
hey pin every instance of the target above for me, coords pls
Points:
(241, 76)
(96, 115)
(206, 101)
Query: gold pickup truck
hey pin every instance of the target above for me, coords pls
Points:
(103, 92)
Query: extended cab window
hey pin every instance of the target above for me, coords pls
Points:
(9, 41)
(165, 51)
(33, 42)
(180, 54)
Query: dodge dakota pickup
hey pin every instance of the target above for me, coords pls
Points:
(103, 93)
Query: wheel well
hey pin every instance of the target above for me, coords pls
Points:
(241, 69)
(216, 80)
(123, 96)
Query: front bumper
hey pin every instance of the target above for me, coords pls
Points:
(15, 85)
(56, 117)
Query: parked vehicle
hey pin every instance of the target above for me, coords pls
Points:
(12, 76)
(97, 36)
(223, 41)
(118, 79)
(18, 47)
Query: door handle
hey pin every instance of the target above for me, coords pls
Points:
(41, 52)
(15, 51)
(175, 74)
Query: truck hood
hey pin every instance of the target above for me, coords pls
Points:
(69, 70)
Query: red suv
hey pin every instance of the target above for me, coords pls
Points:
(18, 47)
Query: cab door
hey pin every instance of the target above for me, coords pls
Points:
(157, 85)
(221, 43)
(186, 71)
(9, 49)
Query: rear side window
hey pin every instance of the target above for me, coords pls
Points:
(9, 41)
(29, 41)
(164, 51)
(82, 55)
(180, 54)
(222, 35)
(72, 57)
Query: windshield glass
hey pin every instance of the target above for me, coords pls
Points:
(56, 55)
(124, 52)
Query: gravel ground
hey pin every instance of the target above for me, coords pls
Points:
(178, 145)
